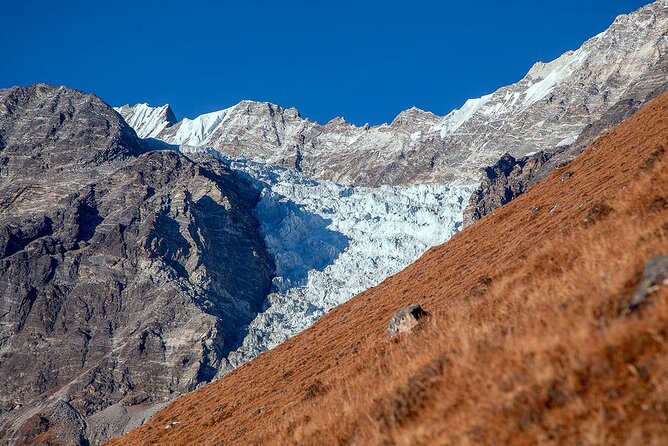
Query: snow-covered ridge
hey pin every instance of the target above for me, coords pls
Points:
(554, 102)
(147, 121)
(458, 117)
(193, 132)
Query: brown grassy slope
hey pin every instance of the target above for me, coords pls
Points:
(529, 341)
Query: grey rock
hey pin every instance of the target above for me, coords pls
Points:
(126, 276)
(654, 276)
(61, 424)
(503, 182)
(405, 320)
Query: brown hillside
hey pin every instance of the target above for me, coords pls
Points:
(529, 341)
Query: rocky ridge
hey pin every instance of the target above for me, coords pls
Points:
(509, 177)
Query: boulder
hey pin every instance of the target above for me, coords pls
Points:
(405, 320)
(654, 276)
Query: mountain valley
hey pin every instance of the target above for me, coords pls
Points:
(234, 273)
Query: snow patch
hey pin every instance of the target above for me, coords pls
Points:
(194, 132)
(457, 118)
(567, 141)
(551, 75)
(147, 121)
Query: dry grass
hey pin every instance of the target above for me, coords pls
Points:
(529, 341)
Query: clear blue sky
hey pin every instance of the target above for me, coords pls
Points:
(364, 60)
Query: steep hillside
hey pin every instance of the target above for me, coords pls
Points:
(531, 338)
(549, 107)
(125, 276)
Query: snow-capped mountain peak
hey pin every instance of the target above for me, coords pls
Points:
(148, 121)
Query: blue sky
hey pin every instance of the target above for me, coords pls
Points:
(364, 60)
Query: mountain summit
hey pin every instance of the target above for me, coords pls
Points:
(125, 275)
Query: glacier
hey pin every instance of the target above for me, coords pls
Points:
(352, 205)
(330, 242)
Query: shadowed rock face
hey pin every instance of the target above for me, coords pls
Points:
(125, 276)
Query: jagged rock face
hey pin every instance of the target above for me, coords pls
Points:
(503, 182)
(125, 276)
(509, 177)
(548, 108)
(40, 116)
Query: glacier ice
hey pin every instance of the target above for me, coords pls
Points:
(331, 242)
(147, 121)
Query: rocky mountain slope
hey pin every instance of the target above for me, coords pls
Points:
(533, 336)
(510, 176)
(125, 275)
(548, 108)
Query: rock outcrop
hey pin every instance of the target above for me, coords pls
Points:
(126, 276)
(405, 320)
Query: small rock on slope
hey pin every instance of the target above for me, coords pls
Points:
(654, 276)
(405, 320)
